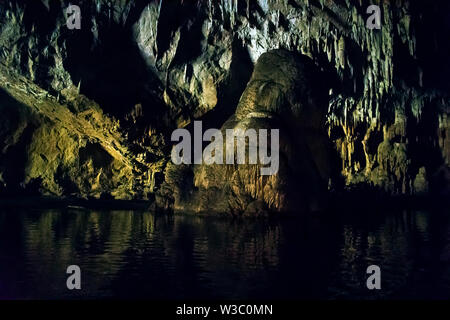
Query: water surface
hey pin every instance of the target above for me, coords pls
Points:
(129, 254)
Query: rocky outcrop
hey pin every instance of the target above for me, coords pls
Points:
(47, 149)
(284, 93)
(89, 112)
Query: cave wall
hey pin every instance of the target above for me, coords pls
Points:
(139, 69)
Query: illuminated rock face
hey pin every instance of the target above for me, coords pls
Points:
(48, 149)
(89, 112)
(285, 92)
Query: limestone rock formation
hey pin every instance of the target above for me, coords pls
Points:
(47, 149)
(89, 112)
(286, 92)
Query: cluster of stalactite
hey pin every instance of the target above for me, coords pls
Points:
(153, 66)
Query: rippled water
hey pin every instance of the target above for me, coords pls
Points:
(130, 254)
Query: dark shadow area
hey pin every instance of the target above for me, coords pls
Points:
(16, 132)
(433, 48)
(423, 143)
(111, 69)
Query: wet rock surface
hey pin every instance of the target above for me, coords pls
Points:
(89, 112)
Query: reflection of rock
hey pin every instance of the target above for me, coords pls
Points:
(283, 93)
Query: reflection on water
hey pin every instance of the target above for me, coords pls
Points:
(141, 255)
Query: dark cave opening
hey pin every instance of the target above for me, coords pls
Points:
(111, 69)
(433, 19)
(88, 177)
(423, 146)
